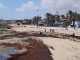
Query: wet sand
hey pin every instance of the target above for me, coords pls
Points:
(37, 50)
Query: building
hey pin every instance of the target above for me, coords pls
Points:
(2, 22)
(77, 24)
(41, 23)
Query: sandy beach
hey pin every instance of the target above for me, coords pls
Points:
(29, 28)
(64, 49)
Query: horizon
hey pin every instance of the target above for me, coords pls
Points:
(27, 9)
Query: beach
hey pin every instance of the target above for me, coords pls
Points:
(43, 44)
(64, 49)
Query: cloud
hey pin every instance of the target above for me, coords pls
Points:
(47, 3)
(25, 6)
(2, 6)
(60, 4)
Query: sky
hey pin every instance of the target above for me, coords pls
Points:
(21, 9)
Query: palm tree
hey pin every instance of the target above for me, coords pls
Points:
(72, 17)
(36, 19)
(50, 19)
(63, 16)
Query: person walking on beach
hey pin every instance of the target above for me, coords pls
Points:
(50, 30)
(45, 29)
(73, 36)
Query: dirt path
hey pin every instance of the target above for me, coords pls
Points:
(63, 49)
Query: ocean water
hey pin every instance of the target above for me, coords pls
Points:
(6, 51)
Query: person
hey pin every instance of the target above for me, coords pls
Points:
(40, 33)
(73, 36)
(45, 29)
(50, 30)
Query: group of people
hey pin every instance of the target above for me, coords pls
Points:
(51, 30)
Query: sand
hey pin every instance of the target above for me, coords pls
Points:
(37, 50)
(64, 49)
(29, 28)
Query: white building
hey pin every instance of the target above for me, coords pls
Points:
(77, 24)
